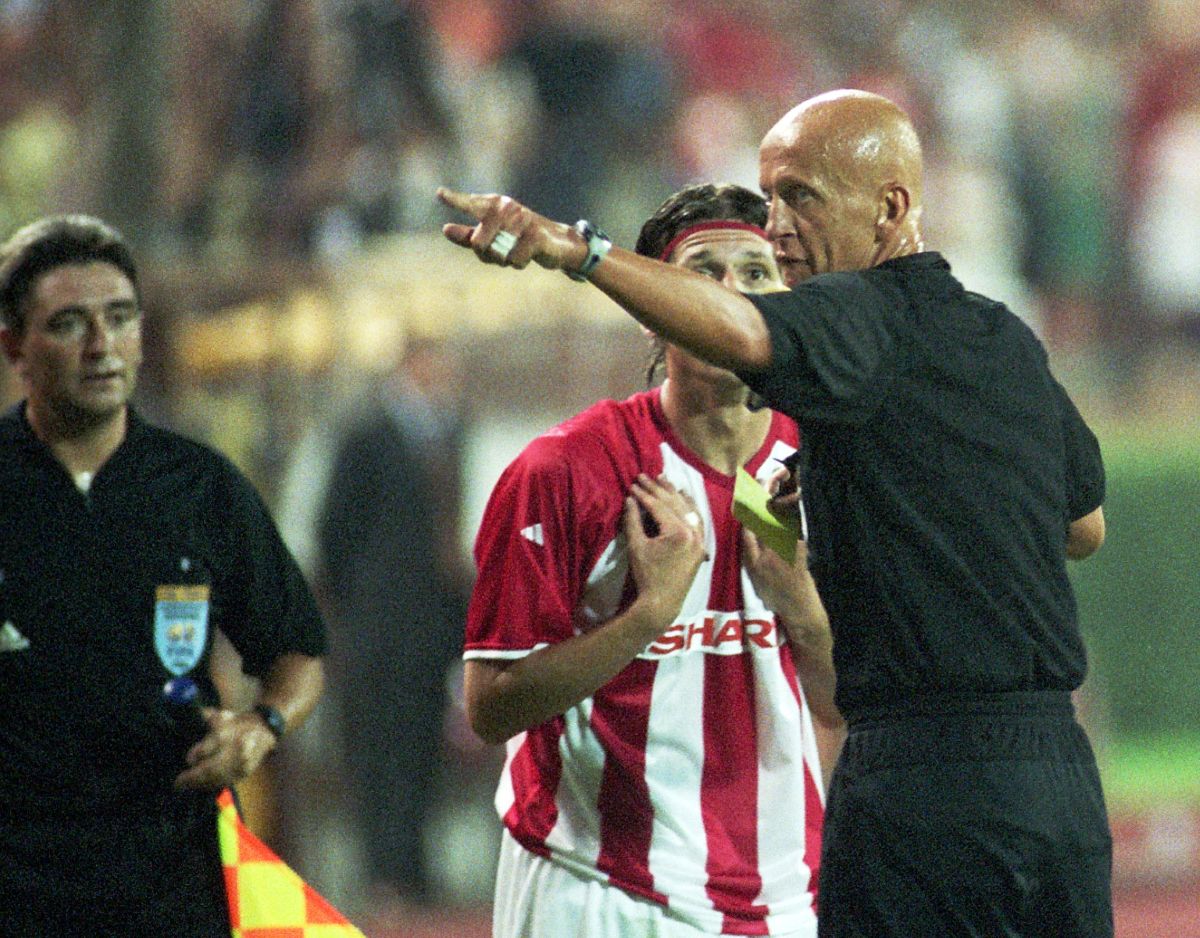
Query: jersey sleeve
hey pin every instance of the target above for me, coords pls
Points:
(529, 554)
(833, 345)
(1085, 465)
(269, 610)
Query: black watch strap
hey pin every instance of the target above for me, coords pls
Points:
(273, 718)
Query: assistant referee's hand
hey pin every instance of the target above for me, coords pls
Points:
(234, 747)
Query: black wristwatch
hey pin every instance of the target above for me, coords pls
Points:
(273, 718)
(598, 244)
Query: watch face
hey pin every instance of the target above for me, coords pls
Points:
(598, 244)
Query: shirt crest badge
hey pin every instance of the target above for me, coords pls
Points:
(180, 626)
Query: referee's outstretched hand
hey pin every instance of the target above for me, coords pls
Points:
(511, 235)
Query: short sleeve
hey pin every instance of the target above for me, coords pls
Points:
(834, 340)
(269, 608)
(1085, 465)
(527, 557)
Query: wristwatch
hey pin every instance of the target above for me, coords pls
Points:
(598, 244)
(273, 718)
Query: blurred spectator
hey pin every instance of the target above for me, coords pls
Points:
(44, 96)
(1166, 226)
(715, 138)
(248, 113)
(393, 583)
(38, 147)
(276, 94)
(738, 69)
(399, 123)
(970, 155)
(1067, 110)
(740, 50)
(207, 37)
(1162, 187)
(1164, 80)
(605, 87)
(489, 92)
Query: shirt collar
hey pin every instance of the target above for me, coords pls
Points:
(923, 260)
(18, 418)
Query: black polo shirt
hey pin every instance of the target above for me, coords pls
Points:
(82, 722)
(942, 466)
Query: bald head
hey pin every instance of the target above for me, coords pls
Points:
(868, 138)
(847, 162)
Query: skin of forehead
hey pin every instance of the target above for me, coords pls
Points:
(57, 287)
(860, 140)
(701, 240)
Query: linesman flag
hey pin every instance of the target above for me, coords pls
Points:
(267, 898)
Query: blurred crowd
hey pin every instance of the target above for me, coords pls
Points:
(1063, 136)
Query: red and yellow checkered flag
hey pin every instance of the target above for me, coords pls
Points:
(267, 898)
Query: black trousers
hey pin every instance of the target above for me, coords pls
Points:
(979, 818)
(148, 874)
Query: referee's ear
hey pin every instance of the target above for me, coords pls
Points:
(894, 206)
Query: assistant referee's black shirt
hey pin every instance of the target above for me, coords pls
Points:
(942, 465)
(83, 727)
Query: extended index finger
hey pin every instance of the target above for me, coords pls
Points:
(469, 202)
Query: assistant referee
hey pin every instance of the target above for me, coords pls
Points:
(125, 546)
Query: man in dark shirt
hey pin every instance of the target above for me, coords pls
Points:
(125, 546)
(947, 478)
(394, 592)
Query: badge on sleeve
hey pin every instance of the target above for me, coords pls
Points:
(180, 626)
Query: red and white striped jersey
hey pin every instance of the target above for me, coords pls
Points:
(692, 777)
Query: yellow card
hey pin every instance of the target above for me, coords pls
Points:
(750, 508)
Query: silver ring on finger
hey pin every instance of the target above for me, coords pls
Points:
(692, 518)
(503, 244)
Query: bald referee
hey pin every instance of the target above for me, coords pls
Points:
(947, 478)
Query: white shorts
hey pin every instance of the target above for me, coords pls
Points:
(539, 899)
